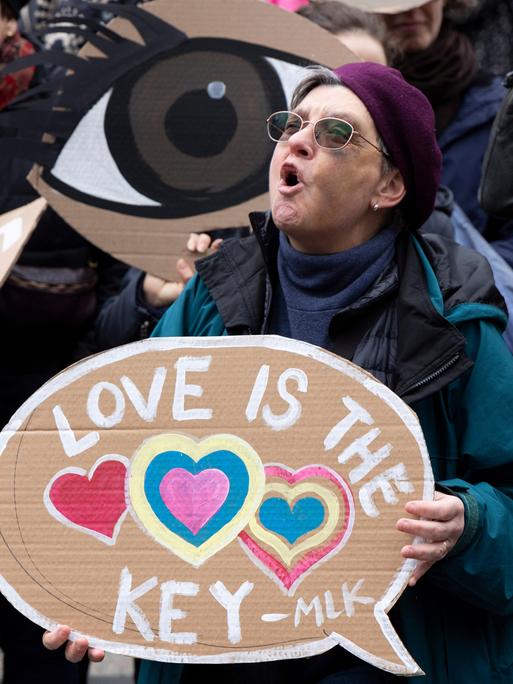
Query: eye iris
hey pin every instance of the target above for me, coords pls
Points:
(199, 125)
(199, 147)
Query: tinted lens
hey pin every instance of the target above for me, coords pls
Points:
(282, 125)
(333, 133)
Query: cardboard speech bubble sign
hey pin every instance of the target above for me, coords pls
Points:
(160, 131)
(226, 499)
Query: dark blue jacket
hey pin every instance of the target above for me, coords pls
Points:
(463, 144)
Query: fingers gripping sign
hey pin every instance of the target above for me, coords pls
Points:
(439, 524)
(75, 650)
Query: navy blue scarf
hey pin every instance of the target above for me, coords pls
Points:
(313, 288)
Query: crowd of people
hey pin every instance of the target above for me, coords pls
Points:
(375, 176)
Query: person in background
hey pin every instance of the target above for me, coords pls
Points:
(13, 46)
(338, 262)
(132, 313)
(37, 15)
(489, 26)
(440, 61)
(361, 32)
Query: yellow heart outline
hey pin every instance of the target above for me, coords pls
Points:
(143, 512)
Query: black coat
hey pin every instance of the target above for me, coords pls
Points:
(47, 305)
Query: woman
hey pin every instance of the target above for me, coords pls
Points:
(489, 24)
(13, 46)
(363, 33)
(441, 62)
(338, 262)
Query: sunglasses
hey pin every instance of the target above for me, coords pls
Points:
(330, 133)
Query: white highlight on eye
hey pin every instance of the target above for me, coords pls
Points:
(216, 90)
(86, 164)
(289, 75)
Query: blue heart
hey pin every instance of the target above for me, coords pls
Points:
(277, 516)
(226, 461)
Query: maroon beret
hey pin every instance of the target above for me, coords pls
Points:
(405, 121)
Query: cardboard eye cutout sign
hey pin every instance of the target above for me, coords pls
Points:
(159, 127)
(227, 499)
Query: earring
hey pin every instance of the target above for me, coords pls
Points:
(375, 206)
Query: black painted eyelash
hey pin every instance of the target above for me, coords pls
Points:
(56, 106)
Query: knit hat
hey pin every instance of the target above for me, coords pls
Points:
(405, 121)
(15, 6)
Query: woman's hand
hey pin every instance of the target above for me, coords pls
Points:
(75, 650)
(440, 525)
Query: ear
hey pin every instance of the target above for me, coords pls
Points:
(390, 190)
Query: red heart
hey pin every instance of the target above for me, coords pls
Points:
(94, 500)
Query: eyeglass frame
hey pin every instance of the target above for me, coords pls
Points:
(314, 123)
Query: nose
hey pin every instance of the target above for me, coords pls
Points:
(302, 142)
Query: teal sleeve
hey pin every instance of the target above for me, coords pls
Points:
(480, 570)
(194, 314)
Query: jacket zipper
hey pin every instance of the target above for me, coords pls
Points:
(434, 375)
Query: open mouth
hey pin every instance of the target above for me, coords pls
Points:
(291, 179)
(290, 176)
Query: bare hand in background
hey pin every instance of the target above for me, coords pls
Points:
(202, 242)
(159, 292)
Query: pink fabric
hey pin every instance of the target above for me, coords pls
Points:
(290, 5)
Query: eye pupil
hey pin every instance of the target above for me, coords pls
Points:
(201, 125)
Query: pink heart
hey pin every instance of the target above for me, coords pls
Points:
(194, 499)
(95, 502)
(291, 577)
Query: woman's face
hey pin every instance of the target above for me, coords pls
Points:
(328, 209)
(416, 29)
(7, 28)
(363, 45)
